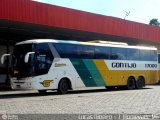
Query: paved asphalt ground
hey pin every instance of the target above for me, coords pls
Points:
(88, 101)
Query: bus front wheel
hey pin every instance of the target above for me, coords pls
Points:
(131, 83)
(63, 86)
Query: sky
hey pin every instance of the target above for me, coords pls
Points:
(140, 10)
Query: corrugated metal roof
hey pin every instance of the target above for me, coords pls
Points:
(44, 14)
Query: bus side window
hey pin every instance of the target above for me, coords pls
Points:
(66, 50)
(43, 59)
(132, 54)
(145, 55)
(102, 52)
(154, 56)
(158, 58)
(118, 53)
(85, 52)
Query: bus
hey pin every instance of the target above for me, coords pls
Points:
(46, 64)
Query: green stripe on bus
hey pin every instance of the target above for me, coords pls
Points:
(83, 72)
(94, 72)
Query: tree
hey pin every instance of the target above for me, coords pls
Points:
(154, 22)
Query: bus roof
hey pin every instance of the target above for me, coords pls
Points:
(84, 43)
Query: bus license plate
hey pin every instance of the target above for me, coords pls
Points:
(18, 86)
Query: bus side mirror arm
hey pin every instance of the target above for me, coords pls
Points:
(3, 57)
(27, 56)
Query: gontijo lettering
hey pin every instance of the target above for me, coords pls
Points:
(123, 65)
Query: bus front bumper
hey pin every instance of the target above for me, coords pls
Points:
(21, 84)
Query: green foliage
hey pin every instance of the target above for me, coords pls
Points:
(154, 22)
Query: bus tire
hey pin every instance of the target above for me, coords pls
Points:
(63, 86)
(131, 83)
(42, 91)
(140, 83)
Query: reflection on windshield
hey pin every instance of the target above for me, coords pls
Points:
(38, 64)
(18, 67)
(43, 58)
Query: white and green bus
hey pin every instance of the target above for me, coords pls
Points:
(45, 64)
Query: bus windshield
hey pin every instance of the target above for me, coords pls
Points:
(18, 67)
(38, 64)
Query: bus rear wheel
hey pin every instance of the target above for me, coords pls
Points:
(131, 83)
(140, 82)
(63, 86)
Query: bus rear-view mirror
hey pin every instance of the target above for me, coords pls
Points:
(26, 59)
(3, 58)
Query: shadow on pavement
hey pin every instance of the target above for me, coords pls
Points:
(18, 94)
(5, 88)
